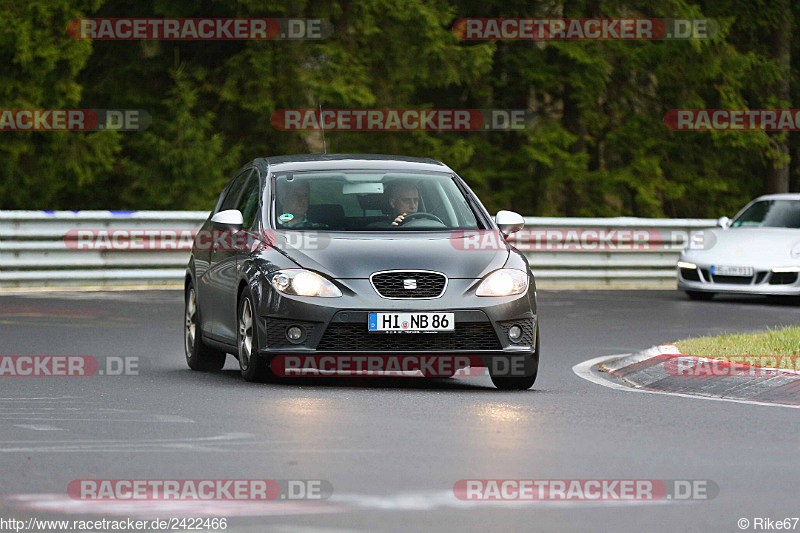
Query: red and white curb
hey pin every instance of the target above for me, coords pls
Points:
(647, 372)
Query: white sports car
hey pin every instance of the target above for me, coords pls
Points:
(758, 252)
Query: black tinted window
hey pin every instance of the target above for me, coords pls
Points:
(231, 199)
(248, 203)
(771, 213)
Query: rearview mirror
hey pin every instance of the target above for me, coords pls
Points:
(723, 222)
(509, 222)
(363, 188)
(229, 219)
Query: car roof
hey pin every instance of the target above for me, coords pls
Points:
(782, 196)
(286, 163)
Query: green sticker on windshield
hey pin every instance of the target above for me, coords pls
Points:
(286, 217)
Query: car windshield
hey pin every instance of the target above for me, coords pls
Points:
(770, 214)
(370, 201)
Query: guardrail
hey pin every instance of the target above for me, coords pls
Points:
(575, 252)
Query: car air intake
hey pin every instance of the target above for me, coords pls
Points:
(409, 284)
(783, 278)
(690, 274)
(733, 280)
(355, 337)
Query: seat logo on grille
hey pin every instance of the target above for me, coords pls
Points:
(410, 284)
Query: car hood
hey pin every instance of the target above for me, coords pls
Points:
(758, 247)
(343, 256)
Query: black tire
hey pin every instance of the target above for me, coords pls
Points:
(199, 356)
(253, 367)
(700, 296)
(522, 382)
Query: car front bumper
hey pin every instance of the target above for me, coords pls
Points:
(763, 282)
(338, 326)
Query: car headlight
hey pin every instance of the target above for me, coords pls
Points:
(300, 282)
(503, 282)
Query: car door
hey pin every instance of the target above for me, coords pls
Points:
(220, 280)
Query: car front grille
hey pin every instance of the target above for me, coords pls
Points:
(400, 284)
(354, 336)
(783, 278)
(733, 280)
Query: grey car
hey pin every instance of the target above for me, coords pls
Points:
(350, 254)
(758, 252)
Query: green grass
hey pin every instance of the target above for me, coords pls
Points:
(778, 342)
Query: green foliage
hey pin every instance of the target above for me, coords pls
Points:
(599, 146)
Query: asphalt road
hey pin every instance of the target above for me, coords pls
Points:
(392, 448)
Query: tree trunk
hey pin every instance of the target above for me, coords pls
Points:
(778, 179)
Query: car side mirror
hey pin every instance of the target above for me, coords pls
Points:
(724, 222)
(230, 219)
(509, 222)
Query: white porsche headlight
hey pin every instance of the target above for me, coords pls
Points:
(302, 282)
(503, 282)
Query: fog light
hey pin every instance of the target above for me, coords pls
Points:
(514, 333)
(294, 333)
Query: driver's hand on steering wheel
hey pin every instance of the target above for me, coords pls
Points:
(399, 219)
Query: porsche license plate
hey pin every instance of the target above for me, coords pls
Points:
(722, 270)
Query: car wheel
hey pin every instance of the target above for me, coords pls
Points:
(699, 295)
(252, 366)
(525, 382)
(199, 356)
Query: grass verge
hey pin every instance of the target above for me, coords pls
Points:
(777, 343)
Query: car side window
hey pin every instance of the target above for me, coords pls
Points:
(231, 199)
(248, 203)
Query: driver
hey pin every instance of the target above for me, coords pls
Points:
(404, 201)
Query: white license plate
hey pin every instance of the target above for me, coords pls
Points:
(411, 322)
(722, 270)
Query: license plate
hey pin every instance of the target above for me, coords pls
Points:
(722, 270)
(409, 322)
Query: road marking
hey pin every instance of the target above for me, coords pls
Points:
(50, 419)
(50, 398)
(584, 370)
(40, 427)
(217, 443)
(414, 501)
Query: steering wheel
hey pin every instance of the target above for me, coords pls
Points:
(417, 216)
